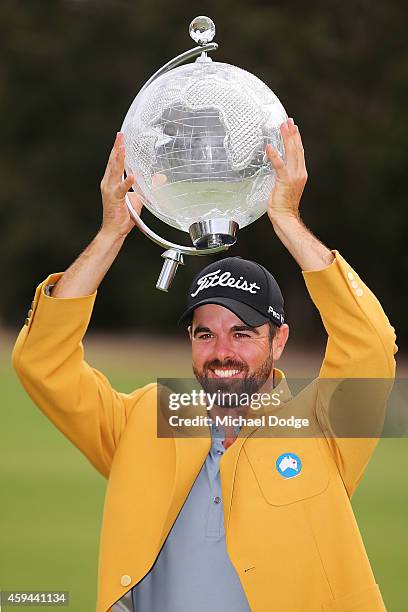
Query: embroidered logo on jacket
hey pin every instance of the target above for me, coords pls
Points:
(288, 465)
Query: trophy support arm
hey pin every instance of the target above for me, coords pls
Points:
(185, 250)
(180, 59)
(173, 256)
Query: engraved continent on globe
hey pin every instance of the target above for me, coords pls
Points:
(195, 141)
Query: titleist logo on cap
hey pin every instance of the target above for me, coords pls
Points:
(214, 279)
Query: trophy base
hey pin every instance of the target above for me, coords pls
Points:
(213, 233)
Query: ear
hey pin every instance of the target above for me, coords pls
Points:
(190, 328)
(279, 341)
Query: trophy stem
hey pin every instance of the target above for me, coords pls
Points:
(172, 260)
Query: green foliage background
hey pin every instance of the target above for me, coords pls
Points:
(68, 73)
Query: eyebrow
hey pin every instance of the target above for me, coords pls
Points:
(235, 328)
(200, 329)
(245, 328)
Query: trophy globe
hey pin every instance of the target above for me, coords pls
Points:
(195, 138)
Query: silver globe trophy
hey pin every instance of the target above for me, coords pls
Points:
(195, 138)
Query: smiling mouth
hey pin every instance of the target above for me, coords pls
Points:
(225, 373)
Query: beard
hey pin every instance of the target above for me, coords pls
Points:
(248, 384)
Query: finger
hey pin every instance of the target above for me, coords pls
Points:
(159, 179)
(118, 165)
(301, 167)
(117, 142)
(275, 159)
(112, 155)
(124, 186)
(287, 132)
(298, 159)
(298, 140)
(294, 132)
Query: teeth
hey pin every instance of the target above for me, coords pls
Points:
(225, 373)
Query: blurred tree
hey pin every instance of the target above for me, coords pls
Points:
(68, 72)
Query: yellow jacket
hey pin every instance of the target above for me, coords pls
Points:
(294, 543)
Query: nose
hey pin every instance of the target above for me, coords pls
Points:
(223, 350)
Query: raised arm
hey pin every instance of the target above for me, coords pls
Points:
(361, 341)
(284, 202)
(84, 276)
(360, 337)
(48, 355)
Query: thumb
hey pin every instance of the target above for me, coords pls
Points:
(124, 186)
(274, 157)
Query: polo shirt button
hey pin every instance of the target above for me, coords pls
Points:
(359, 292)
(125, 580)
(217, 500)
(27, 321)
(350, 275)
(29, 313)
(219, 452)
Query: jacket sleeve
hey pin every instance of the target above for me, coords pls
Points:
(49, 360)
(358, 369)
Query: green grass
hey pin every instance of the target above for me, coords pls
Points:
(381, 507)
(52, 500)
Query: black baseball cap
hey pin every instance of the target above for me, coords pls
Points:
(243, 286)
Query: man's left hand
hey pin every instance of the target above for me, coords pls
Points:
(290, 177)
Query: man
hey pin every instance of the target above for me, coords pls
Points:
(213, 522)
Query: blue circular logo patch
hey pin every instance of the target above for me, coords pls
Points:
(288, 465)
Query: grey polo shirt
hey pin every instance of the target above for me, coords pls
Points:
(193, 570)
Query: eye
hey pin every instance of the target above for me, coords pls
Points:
(204, 336)
(241, 335)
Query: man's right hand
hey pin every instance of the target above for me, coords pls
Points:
(86, 273)
(117, 221)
